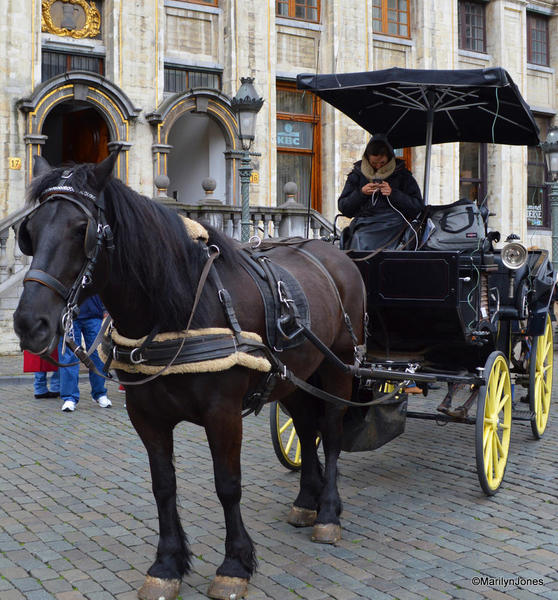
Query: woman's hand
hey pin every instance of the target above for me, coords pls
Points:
(370, 188)
(385, 188)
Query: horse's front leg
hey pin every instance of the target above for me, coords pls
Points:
(173, 555)
(223, 426)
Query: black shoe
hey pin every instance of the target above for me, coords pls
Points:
(48, 395)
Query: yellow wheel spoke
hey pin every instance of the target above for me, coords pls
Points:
(290, 442)
(503, 403)
(485, 438)
(494, 456)
(286, 426)
(498, 444)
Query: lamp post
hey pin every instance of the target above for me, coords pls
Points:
(550, 149)
(246, 104)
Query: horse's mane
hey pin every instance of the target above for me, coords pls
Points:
(153, 252)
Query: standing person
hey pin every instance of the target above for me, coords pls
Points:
(382, 195)
(87, 323)
(35, 364)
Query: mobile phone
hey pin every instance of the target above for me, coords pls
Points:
(377, 180)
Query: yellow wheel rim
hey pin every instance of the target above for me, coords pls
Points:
(542, 379)
(496, 424)
(291, 445)
(285, 438)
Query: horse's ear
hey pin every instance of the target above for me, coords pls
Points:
(103, 170)
(40, 166)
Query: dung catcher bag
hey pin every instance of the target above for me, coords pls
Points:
(458, 226)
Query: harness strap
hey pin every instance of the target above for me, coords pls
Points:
(39, 276)
(337, 400)
(72, 344)
(328, 276)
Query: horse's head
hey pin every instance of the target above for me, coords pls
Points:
(67, 236)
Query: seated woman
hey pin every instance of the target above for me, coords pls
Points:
(382, 195)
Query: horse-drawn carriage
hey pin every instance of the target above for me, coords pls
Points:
(458, 311)
(204, 327)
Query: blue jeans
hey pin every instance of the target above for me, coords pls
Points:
(40, 383)
(69, 376)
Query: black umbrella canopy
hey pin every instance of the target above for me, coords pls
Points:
(467, 105)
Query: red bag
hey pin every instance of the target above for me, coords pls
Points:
(33, 363)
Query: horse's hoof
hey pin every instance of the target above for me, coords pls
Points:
(328, 533)
(154, 588)
(301, 517)
(225, 588)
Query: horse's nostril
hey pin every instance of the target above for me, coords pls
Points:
(32, 329)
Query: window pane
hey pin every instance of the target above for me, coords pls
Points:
(294, 102)
(307, 10)
(294, 134)
(56, 63)
(180, 79)
(537, 195)
(537, 35)
(469, 160)
(469, 190)
(297, 168)
(283, 9)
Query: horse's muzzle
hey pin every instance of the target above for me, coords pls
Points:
(35, 332)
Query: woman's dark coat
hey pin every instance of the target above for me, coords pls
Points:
(405, 194)
(376, 223)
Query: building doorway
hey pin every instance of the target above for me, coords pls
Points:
(76, 133)
(198, 151)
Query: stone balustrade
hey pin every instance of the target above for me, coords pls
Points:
(289, 219)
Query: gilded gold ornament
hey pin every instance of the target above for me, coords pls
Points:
(70, 18)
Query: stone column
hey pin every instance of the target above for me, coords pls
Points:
(507, 171)
(435, 32)
(140, 69)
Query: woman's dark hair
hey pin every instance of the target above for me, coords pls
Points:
(379, 148)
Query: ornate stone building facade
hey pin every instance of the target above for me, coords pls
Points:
(157, 78)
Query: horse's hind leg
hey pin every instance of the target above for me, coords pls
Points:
(224, 434)
(303, 409)
(173, 555)
(327, 529)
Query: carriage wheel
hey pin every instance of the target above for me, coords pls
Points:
(284, 437)
(540, 379)
(493, 424)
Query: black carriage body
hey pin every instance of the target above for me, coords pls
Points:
(443, 309)
(428, 306)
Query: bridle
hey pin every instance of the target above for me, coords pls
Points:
(98, 234)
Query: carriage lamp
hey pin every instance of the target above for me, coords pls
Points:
(246, 104)
(550, 149)
(514, 254)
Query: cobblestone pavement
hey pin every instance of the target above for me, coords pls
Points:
(77, 518)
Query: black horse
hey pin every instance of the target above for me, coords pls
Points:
(148, 282)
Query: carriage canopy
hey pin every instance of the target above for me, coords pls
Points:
(464, 105)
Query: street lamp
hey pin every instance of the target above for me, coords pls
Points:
(246, 104)
(550, 149)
